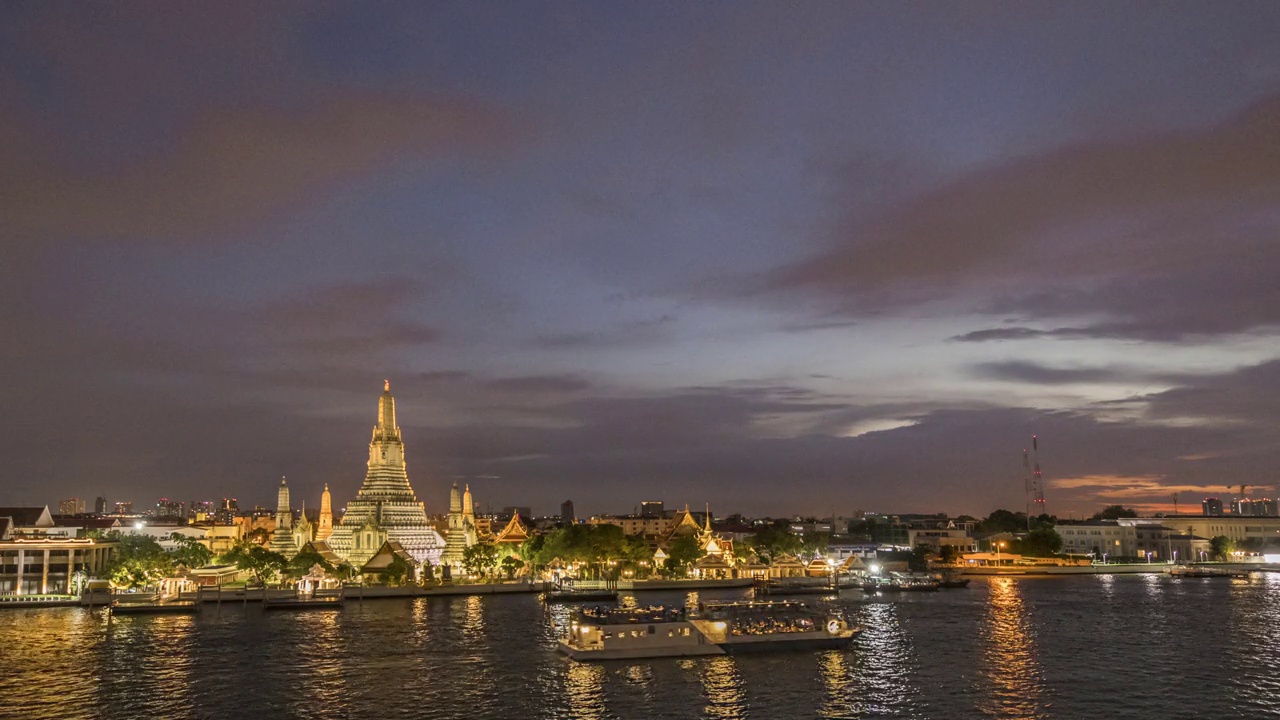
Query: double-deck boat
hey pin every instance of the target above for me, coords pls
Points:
(615, 633)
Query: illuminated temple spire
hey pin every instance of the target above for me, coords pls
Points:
(325, 527)
(282, 537)
(386, 501)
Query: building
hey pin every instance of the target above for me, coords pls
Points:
(1211, 506)
(100, 505)
(462, 532)
(567, 515)
(1259, 532)
(385, 507)
(633, 524)
(228, 512)
(71, 506)
(513, 510)
(1261, 507)
(282, 536)
(652, 509)
(1098, 538)
(124, 508)
(36, 563)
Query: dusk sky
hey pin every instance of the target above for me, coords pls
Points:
(776, 257)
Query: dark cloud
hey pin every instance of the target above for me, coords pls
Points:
(1170, 235)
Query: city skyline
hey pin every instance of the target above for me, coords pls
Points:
(852, 258)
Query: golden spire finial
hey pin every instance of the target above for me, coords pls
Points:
(386, 385)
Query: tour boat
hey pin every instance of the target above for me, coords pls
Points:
(153, 606)
(714, 629)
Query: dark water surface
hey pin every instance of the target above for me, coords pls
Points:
(1080, 647)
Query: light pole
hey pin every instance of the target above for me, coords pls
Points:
(998, 546)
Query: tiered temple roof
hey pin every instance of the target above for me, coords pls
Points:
(386, 501)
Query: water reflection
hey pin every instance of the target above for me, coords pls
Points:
(584, 690)
(886, 661)
(1010, 653)
(722, 686)
(835, 670)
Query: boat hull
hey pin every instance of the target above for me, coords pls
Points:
(823, 642)
(168, 609)
(639, 653)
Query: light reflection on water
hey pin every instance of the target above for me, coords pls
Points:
(1098, 646)
(1012, 666)
(722, 686)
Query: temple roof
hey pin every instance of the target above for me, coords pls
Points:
(514, 532)
(382, 558)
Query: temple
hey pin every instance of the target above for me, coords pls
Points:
(386, 507)
(462, 526)
(325, 524)
(282, 538)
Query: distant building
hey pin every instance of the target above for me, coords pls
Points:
(652, 509)
(35, 563)
(513, 510)
(124, 508)
(71, 506)
(1211, 506)
(633, 524)
(1262, 507)
(166, 508)
(566, 512)
(100, 506)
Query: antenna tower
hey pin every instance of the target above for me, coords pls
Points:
(1037, 482)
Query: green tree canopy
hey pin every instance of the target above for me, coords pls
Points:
(1040, 542)
(302, 563)
(681, 553)
(775, 541)
(139, 561)
(1222, 547)
(190, 552)
(480, 559)
(263, 563)
(511, 565)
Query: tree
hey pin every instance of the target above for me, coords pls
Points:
(302, 563)
(681, 553)
(948, 554)
(814, 544)
(346, 572)
(190, 552)
(480, 558)
(395, 572)
(1112, 512)
(919, 561)
(1002, 521)
(773, 542)
(1040, 542)
(511, 565)
(1222, 547)
(139, 561)
(264, 564)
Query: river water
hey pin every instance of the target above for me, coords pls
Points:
(1074, 647)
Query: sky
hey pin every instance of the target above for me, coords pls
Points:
(782, 258)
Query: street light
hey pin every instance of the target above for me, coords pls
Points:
(998, 546)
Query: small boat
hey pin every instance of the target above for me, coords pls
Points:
(572, 595)
(952, 580)
(330, 602)
(1205, 571)
(901, 582)
(715, 629)
(177, 607)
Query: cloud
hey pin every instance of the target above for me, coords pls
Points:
(1036, 373)
(1159, 236)
(231, 169)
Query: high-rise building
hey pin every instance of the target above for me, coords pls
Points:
(71, 506)
(1249, 507)
(166, 508)
(567, 515)
(100, 506)
(227, 512)
(385, 508)
(652, 509)
(1211, 506)
(124, 507)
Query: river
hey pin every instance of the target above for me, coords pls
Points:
(1066, 647)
